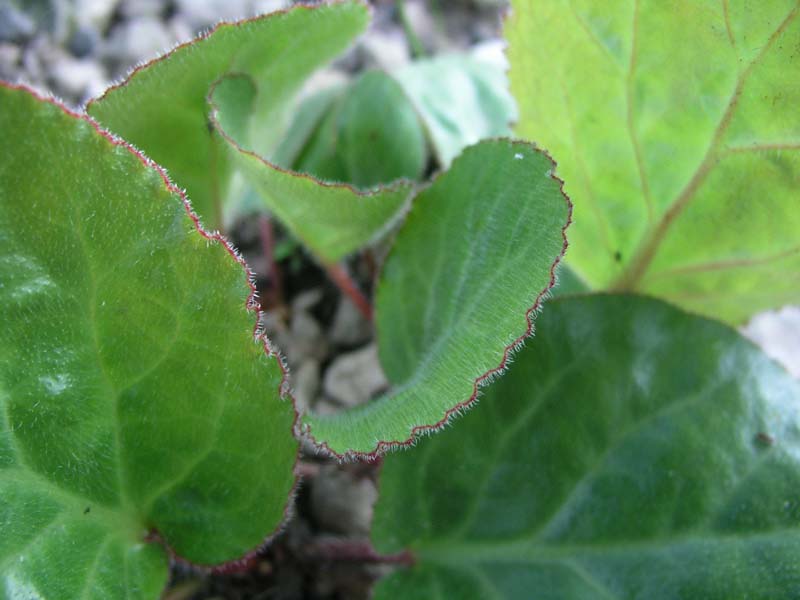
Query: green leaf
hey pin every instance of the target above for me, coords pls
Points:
(633, 451)
(568, 283)
(161, 107)
(461, 99)
(321, 156)
(332, 219)
(458, 291)
(132, 395)
(305, 125)
(675, 126)
(367, 134)
(380, 136)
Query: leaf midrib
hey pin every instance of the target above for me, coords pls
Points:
(527, 551)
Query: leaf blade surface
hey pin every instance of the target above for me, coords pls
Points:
(469, 268)
(676, 132)
(632, 451)
(462, 99)
(145, 404)
(162, 108)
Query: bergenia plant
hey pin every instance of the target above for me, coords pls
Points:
(633, 449)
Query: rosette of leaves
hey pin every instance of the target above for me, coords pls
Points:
(140, 421)
(438, 341)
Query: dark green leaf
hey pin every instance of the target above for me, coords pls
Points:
(300, 136)
(380, 136)
(368, 134)
(632, 451)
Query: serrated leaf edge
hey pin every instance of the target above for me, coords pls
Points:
(384, 446)
(221, 24)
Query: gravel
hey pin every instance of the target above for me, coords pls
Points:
(355, 378)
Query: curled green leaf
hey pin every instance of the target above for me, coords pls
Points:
(278, 50)
(332, 219)
(458, 292)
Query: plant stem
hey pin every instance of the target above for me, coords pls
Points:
(348, 550)
(348, 287)
(417, 48)
(268, 248)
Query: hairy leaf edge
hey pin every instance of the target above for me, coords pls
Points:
(222, 24)
(384, 446)
(251, 303)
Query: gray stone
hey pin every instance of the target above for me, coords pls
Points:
(260, 7)
(201, 14)
(83, 41)
(94, 13)
(341, 501)
(15, 25)
(306, 339)
(355, 377)
(305, 383)
(77, 79)
(305, 301)
(132, 9)
(137, 40)
(10, 56)
(32, 67)
(778, 333)
(180, 30)
(38, 59)
(349, 327)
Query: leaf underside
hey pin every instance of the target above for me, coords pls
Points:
(676, 129)
(469, 266)
(632, 451)
(132, 395)
(162, 107)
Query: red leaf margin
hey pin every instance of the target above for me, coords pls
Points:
(384, 446)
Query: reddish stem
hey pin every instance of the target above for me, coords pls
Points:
(348, 287)
(268, 248)
(347, 550)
